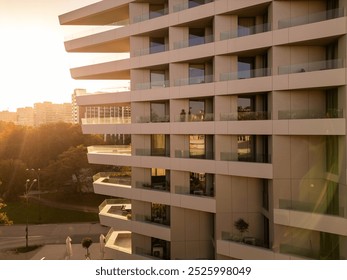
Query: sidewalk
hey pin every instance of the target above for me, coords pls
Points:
(52, 237)
(58, 252)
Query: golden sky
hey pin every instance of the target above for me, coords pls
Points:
(34, 65)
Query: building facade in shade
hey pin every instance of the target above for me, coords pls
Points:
(237, 126)
(77, 111)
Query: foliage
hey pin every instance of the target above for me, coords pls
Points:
(241, 225)
(12, 177)
(49, 214)
(46, 147)
(4, 220)
(87, 242)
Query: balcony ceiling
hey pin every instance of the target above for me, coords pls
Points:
(116, 75)
(100, 13)
(114, 46)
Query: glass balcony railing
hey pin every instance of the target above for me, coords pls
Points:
(324, 248)
(109, 120)
(152, 152)
(203, 117)
(194, 80)
(245, 116)
(110, 149)
(311, 66)
(311, 18)
(161, 220)
(246, 157)
(152, 50)
(247, 74)
(246, 240)
(113, 178)
(311, 207)
(150, 85)
(245, 31)
(150, 15)
(195, 191)
(158, 186)
(190, 4)
(153, 119)
(194, 153)
(310, 114)
(193, 42)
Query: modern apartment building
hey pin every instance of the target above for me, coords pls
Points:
(237, 116)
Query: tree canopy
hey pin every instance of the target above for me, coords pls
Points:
(58, 150)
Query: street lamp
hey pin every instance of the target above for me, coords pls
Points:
(37, 173)
(27, 190)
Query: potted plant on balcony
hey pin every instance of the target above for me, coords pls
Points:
(86, 242)
(242, 226)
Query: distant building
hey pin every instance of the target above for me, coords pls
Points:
(7, 116)
(47, 112)
(25, 116)
(77, 111)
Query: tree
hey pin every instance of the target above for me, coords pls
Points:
(70, 164)
(4, 220)
(86, 243)
(13, 177)
(242, 226)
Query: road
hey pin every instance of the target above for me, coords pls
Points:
(14, 236)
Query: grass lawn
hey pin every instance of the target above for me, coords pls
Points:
(17, 212)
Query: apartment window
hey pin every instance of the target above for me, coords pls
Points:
(157, 45)
(332, 154)
(332, 103)
(202, 184)
(159, 145)
(246, 67)
(196, 36)
(195, 3)
(246, 147)
(246, 26)
(266, 226)
(265, 187)
(157, 78)
(197, 146)
(159, 112)
(196, 73)
(160, 213)
(160, 178)
(156, 10)
(246, 104)
(201, 146)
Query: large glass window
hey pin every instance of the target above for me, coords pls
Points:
(246, 147)
(196, 36)
(156, 10)
(332, 154)
(195, 3)
(196, 73)
(158, 112)
(197, 146)
(160, 178)
(157, 45)
(159, 145)
(246, 26)
(157, 78)
(202, 184)
(245, 67)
